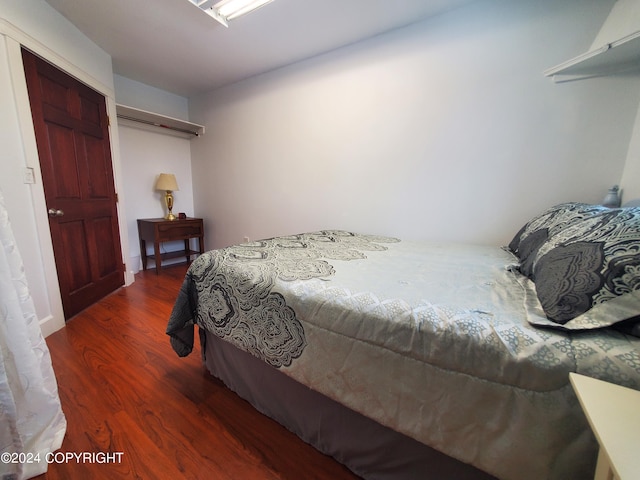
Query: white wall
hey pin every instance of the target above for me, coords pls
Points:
(145, 97)
(630, 184)
(36, 25)
(624, 20)
(446, 130)
(17, 194)
(147, 153)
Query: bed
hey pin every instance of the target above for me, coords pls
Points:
(407, 359)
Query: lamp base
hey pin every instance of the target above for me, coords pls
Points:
(168, 199)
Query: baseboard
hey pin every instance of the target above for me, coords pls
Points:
(50, 324)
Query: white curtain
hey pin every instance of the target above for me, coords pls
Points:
(32, 423)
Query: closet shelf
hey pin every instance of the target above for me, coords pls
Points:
(153, 121)
(616, 57)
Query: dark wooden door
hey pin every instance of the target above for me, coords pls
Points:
(72, 135)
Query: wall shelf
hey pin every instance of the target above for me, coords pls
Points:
(135, 117)
(617, 57)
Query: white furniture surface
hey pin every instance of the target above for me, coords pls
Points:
(614, 415)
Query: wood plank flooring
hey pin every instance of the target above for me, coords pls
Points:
(123, 389)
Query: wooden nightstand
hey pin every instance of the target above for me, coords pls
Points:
(158, 230)
(612, 412)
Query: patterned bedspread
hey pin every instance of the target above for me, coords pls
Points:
(432, 340)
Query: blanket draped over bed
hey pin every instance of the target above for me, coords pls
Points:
(432, 340)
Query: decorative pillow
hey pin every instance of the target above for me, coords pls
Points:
(588, 274)
(535, 232)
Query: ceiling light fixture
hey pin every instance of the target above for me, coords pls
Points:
(226, 10)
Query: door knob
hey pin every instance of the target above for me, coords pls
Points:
(55, 213)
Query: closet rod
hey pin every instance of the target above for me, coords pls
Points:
(155, 124)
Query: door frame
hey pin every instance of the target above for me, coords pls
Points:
(15, 40)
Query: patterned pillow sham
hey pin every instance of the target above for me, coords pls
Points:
(535, 232)
(588, 275)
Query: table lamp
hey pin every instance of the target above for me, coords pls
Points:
(167, 182)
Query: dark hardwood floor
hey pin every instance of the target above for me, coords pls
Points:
(123, 389)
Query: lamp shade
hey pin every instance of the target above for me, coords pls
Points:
(167, 182)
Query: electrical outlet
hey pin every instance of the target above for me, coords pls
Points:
(29, 176)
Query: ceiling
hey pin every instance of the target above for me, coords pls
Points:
(174, 46)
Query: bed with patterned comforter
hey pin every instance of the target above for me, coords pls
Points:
(437, 341)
